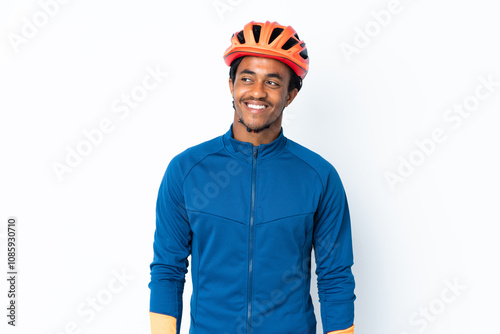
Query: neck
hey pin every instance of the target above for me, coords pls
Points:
(265, 136)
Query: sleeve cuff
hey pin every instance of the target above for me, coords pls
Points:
(349, 330)
(162, 323)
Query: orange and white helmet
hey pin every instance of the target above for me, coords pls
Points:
(270, 40)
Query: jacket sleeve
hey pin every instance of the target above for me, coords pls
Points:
(332, 244)
(171, 246)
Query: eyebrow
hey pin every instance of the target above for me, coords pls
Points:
(269, 75)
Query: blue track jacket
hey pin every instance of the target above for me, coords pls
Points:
(250, 217)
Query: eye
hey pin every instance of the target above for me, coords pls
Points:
(273, 83)
(245, 79)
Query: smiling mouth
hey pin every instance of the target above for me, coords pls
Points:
(256, 108)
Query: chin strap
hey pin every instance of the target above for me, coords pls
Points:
(250, 130)
(241, 121)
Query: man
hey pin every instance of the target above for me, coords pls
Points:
(249, 206)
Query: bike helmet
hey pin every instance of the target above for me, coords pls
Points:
(270, 40)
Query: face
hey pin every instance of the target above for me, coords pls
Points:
(260, 91)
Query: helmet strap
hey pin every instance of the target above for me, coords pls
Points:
(250, 130)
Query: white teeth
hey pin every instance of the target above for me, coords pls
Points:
(255, 106)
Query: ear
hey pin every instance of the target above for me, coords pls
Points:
(291, 96)
(231, 86)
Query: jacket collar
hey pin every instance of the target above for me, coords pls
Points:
(244, 149)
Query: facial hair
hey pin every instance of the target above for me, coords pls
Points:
(257, 129)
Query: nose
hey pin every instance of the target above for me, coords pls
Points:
(259, 90)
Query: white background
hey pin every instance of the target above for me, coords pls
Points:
(363, 113)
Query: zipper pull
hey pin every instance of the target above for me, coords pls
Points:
(255, 150)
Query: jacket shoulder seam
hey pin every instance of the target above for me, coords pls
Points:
(199, 161)
(211, 214)
(286, 217)
(312, 167)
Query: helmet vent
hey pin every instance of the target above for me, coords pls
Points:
(276, 32)
(269, 40)
(303, 54)
(241, 38)
(291, 42)
(256, 32)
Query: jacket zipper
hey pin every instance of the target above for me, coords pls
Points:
(250, 243)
